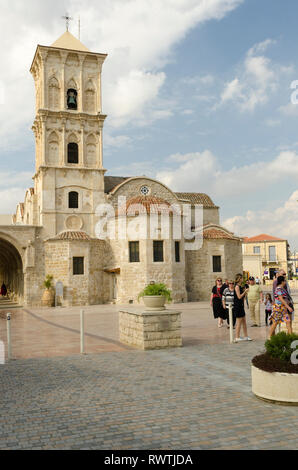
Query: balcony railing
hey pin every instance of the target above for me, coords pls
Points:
(268, 260)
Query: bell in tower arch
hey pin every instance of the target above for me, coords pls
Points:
(72, 96)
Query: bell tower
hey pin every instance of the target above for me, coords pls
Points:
(68, 128)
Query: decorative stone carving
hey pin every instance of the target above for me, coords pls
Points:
(73, 222)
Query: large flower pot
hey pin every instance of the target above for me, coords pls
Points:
(154, 302)
(48, 298)
(278, 387)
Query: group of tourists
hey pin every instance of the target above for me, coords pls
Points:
(233, 293)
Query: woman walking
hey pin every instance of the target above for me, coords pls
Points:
(281, 308)
(216, 303)
(240, 294)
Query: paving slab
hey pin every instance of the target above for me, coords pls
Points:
(195, 397)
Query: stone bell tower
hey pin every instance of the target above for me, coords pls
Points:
(69, 178)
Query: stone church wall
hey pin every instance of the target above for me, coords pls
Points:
(200, 277)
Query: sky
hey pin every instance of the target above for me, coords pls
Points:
(197, 92)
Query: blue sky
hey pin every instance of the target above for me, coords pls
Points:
(197, 95)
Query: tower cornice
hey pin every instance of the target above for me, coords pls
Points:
(82, 54)
(79, 116)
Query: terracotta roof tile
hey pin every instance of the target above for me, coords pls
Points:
(263, 237)
(197, 198)
(69, 235)
(145, 204)
(112, 181)
(214, 233)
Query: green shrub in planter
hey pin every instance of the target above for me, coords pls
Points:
(280, 346)
(156, 289)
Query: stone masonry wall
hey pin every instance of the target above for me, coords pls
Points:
(200, 277)
(150, 330)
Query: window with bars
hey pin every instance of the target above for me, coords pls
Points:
(78, 266)
(158, 251)
(177, 252)
(216, 264)
(134, 252)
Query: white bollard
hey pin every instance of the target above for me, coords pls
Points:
(8, 317)
(231, 324)
(82, 332)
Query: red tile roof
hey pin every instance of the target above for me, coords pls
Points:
(69, 235)
(263, 237)
(144, 204)
(216, 233)
(197, 198)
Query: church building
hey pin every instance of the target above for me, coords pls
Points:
(56, 230)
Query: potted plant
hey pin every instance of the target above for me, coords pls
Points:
(275, 372)
(48, 295)
(155, 296)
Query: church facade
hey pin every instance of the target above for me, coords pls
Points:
(58, 229)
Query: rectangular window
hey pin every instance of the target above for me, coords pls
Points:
(272, 253)
(134, 252)
(177, 252)
(257, 250)
(217, 264)
(158, 251)
(78, 266)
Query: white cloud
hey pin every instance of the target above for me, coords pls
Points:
(117, 141)
(187, 112)
(203, 172)
(13, 188)
(138, 36)
(282, 222)
(257, 79)
(232, 91)
(272, 122)
(289, 109)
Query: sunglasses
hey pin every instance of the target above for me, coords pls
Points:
(219, 280)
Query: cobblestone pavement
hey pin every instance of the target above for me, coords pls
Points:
(195, 397)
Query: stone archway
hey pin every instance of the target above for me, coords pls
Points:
(11, 269)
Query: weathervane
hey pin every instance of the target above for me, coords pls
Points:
(67, 18)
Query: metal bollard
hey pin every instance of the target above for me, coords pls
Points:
(231, 324)
(82, 332)
(8, 317)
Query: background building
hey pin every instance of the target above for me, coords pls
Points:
(263, 255)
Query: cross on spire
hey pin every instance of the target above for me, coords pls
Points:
(67, 19)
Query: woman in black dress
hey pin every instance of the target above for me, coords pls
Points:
(240, 294)
(216, 302)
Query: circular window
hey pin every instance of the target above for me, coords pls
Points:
(145, 190)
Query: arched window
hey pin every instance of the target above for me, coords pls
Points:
(73, 200)
(72, 153)
(72, 99)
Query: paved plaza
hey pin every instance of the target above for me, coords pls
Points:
(117, 397)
